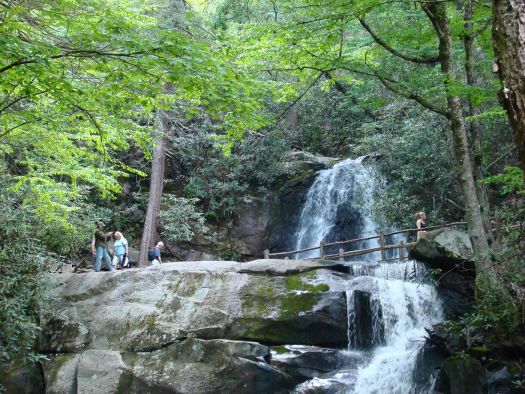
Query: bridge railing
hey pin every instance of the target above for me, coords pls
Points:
(383, 246)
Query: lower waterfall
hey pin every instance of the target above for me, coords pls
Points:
(389, 303)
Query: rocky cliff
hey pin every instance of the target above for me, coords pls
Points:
(191, 327)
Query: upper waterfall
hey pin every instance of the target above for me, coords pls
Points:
(337, 207)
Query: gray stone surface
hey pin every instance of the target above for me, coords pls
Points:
(189, 327)
(61, 374)
(449, 251)
(187, 366)
(445, 245)
(146, 309)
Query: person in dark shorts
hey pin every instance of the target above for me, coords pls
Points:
(154, 253)
(420, 223)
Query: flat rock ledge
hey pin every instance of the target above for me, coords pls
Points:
(192, 327)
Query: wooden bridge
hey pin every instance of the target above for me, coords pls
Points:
(342, 254)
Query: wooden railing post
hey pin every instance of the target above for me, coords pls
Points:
(382, 245)
(401, 250)
(266, 254)
(341, 257)
(321, 249)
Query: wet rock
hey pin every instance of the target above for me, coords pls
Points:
(307, 362)
(21, 380)
(302, 161)
(461, 375)
(448, 252)
(446, 341)
(321, 386)
(146, 309)
(429, 359)
(287, 206)
(366, 328)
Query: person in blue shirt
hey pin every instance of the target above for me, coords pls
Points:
(120, 247)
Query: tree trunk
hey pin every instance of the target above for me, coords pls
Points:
(474, 124)
(437, 13)
(508, 39)
(155, 192)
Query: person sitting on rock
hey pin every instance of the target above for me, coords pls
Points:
(121, 249)
(420, 223)
(99, 247)
(154, 253)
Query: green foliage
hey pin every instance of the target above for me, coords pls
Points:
(79, 84)
(219, 181)
(180, 219)
(21, 269)
(494, 314)
(411, 145)
(228, 251)
(509, 181)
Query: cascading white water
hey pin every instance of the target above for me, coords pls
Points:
(399, 304)
(407, 308)
(347, 182)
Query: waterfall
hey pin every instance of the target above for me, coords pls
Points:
(346, 185)
(388, 303)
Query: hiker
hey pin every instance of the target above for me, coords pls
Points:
(120, 247)
(99, 248)
(154, 253)
(420, 223)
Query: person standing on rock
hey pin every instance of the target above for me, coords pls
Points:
(420, 223)
(99, 247)
(121, 249)
(154, 253)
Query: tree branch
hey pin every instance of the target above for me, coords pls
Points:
(300, 97)
(395, 52)
(411, 96)
(73, 53)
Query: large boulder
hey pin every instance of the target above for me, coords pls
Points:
(443, 247)
(192, 327)
(269, 301)
(448, 252)
(186, 366)
(461, 375)
(301, 161)
(250, 225)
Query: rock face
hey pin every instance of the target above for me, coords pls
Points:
(449, 253)
(443, 247)
(259, 221)
(189, 327)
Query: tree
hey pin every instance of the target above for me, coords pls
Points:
(158, 164)
(508, 27)
(313, 40)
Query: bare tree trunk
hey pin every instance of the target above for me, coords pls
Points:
(155, 191)
(437, 13)
(474, 124)
(508, 39)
